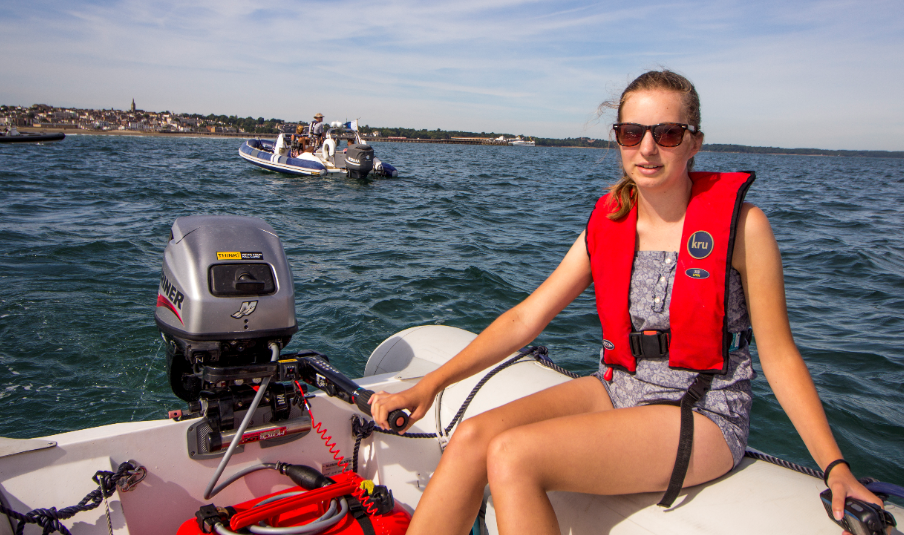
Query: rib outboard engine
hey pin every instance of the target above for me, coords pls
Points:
(226, 292)
(359, 160)
(225, 306)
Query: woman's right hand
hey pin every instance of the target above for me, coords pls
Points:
(417, 400)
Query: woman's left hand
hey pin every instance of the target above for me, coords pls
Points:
(843, 485)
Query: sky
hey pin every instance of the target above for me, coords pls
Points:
(800, 74)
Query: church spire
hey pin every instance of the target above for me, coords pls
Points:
(133, 105)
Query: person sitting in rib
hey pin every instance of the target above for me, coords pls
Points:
(661, 247)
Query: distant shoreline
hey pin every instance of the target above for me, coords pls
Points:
(712, 148)
(139, 133)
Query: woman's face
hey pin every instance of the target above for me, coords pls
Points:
(652, 166)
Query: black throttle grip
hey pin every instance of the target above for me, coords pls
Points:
(362, 400)
(397, 419)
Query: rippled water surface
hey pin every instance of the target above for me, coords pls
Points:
(464, 233)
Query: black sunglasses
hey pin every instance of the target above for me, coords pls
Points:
(664, 134)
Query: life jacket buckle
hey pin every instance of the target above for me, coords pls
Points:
(699, 387)
(649, 344)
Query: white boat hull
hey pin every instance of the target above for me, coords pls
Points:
(757, 497)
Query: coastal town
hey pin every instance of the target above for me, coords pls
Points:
(45, 118)
(42, 116)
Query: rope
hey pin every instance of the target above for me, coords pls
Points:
(880, 489)
(818, 474)
(546, 361)
(51, 519)
(783, 463)
(362, 429)
(535, 352)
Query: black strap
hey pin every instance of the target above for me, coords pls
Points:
(833, 464)
(358, 511)
(686, 437)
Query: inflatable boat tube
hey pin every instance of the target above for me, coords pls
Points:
(755, 497)
(382, 168)
(260, 153)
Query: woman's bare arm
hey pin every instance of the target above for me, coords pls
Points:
(508, 333)
(757, 258)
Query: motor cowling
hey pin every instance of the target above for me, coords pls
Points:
(225, 293)
(359, 160)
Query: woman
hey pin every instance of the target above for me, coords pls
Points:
(299, 142)
(622, 422)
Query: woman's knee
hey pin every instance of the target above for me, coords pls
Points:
(470, 439)
(509, 457)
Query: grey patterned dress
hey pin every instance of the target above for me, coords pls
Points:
(729, 400)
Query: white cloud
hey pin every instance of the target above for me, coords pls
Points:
(827, 72)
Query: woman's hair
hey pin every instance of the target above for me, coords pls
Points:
(623, 194)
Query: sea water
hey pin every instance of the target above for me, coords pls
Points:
(464, 233)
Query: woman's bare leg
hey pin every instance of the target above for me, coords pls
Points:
(610, 452)
(452, 498)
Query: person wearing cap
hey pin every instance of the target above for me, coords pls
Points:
(316, 131)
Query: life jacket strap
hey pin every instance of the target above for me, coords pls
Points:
(694, 394)
(655, 344)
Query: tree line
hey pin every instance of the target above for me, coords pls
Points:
(272, 126)
(248, 124)
(743, 149)
(439, 134)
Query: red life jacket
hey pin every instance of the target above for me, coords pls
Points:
(699, 327)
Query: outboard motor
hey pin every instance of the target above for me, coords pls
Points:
(226, 292)
(359, 160)
(225, 304)
(226, 308)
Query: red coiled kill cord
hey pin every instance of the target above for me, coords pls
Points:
(360, 493)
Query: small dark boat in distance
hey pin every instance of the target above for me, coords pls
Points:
(14, 136)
